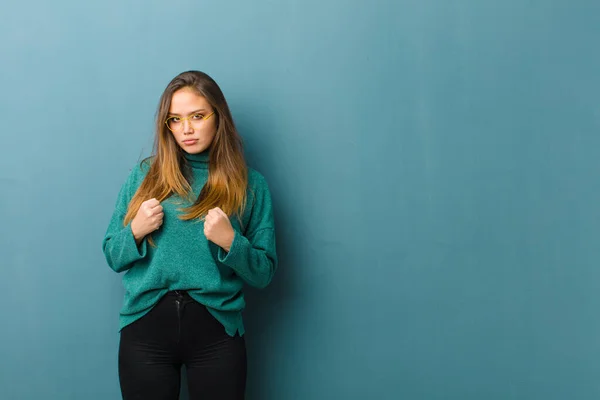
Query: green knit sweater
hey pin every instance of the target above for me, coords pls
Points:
(183, 259)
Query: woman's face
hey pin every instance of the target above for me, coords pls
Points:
(191, 121)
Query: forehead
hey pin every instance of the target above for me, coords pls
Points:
(186, 100)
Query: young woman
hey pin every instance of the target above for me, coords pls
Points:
(191, 225)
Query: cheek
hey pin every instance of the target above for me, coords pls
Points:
(209, 133)
(210, 130)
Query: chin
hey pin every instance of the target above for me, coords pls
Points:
(195, 149)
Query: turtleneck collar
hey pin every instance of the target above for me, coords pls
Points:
(197, 161)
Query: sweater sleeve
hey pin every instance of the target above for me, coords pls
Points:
(119, 246)
(253, 254)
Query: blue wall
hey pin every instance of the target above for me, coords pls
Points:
(435, 167)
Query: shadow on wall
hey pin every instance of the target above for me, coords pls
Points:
(262, 317)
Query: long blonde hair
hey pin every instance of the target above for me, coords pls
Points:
(228, 173)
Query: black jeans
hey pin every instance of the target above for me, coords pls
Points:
(180, 331)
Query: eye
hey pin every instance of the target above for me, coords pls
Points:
(197, 117)
(174, 120)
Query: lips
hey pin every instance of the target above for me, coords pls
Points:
(190, 142)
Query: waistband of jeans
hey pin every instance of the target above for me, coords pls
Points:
(177, 293)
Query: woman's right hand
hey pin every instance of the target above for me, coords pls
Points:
(147, 220)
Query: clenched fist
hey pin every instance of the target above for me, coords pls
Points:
(218, 229)
(147, 220)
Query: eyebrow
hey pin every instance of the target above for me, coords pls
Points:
(193, 112)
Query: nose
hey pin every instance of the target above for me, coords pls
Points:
(187, 127)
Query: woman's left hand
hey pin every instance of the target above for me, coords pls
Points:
(218, 229)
